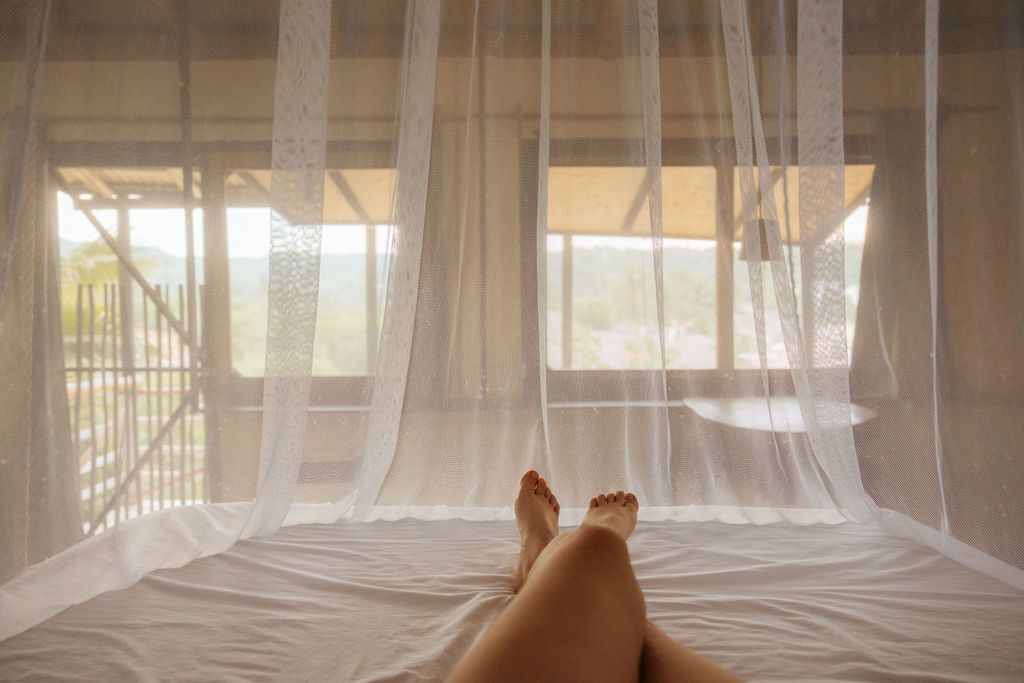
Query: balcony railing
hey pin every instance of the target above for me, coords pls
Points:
(135, 408)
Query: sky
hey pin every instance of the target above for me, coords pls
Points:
(249, 232)
(163, 229)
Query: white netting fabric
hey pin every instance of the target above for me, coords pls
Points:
(298, 161)
(755, 261)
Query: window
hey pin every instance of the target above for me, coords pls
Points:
(601, 295)
(130, 317)
(352, 268)
(858, 178)
(602, 301)
(606, 287)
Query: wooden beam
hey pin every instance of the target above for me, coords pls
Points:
(250, 180)
(161, 200)
(638, 201)
(96, 185)
(350, 196)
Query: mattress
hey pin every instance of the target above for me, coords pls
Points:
(404, 600)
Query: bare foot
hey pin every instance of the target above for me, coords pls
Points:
(537, 516)
(617, 511)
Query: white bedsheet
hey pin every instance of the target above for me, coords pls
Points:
(403, 601)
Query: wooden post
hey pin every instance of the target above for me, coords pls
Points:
(160, 395)
(184, 375)
(566, 303)
(216, 325)
(724, 267)
(149, 398)
(78, 381)
(93, 441)
(169, 370)
(371, 299)
(127, 361)
(114, 361)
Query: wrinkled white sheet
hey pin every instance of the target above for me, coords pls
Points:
(402, 601)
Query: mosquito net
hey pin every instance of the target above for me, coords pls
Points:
(279, 262)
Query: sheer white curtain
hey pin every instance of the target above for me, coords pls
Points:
(755, 261)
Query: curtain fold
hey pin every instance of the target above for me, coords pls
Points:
(650, 97)
(39, 512)
(889, 327)
(822, 205)
(887, 371)
(410, 206)
(299, 158)
(816, 344)
(544, 456)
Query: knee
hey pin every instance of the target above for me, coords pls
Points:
(577, 553)
(593, 539)
(600, 554)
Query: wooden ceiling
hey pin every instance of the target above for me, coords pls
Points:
(593, 200)
(612, 200)
(247, 29)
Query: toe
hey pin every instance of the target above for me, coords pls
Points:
(553, 501)
(602, 499)
(593, 502)
(610, 497)
(529, 479)
(557, 508)
(546, 493)
(631, 500)
(540, 485)
(620, 497)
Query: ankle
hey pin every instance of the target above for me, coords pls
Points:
(530, 549)
(535, 542)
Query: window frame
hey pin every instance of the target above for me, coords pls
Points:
(580, 385)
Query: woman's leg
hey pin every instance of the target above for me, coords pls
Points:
(666, 661)
(579, 614)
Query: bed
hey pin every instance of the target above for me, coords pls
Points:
(404, 600)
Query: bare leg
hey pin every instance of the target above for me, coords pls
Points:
(666, 661)
(579, 613)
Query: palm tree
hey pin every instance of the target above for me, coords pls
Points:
(89, 263)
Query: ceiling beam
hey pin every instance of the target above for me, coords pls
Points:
(350, 196)
(638, 200)
(250, 181)
(96, 185)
